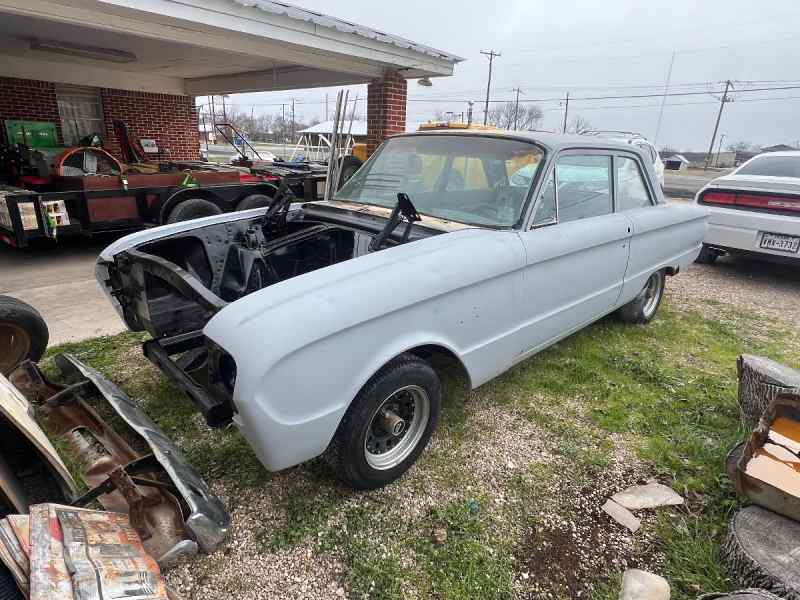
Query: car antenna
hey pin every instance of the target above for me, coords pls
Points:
(404, 209)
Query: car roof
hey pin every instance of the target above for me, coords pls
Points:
(551, 141)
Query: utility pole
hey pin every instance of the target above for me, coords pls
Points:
(719, 149)
(728, 86)
(566, 112)
(491, 55)
(516, 107)
(469, 112)
(293, 120)
(664, 98)
(326, 107)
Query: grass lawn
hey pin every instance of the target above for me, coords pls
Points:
(505, 501)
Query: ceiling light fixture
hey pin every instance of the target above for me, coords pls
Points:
(425, 82)
(82, 51)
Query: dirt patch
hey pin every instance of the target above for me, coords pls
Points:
(568, 556)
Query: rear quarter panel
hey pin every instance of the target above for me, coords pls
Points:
(667, 235)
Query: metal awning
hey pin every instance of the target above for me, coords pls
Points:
(200, 47)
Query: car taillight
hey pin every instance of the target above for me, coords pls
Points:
(766, 202)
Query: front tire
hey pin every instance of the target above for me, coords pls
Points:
(254, 201)
(644, 307)
(388, 424)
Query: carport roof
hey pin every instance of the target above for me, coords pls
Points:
(200, 47)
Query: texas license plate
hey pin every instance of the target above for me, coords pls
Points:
(784, 243)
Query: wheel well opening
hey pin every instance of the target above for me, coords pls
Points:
(446, 363)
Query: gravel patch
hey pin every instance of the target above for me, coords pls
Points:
(241, 570)
(763, 287)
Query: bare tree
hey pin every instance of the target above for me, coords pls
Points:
(579, 125)
(667, 149)
(509, 114)
(742, 146)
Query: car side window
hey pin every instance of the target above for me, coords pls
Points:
(584, 186)
(631, 188)
(546, 209)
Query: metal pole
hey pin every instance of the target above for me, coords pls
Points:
(293, 120)
(728, 86)
(283, 133)
(664, 98)
(491, 54)
(326, 107)
(469, 112)
(566, 112)
(719, 149)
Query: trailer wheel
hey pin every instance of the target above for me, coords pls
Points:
(23, 333)
(254, 201)
(194, 208)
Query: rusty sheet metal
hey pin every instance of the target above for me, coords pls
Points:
(80, 554)
(14, 408)
(776, 491)
(49, 576)
(172, 508)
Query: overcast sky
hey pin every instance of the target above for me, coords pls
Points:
(591, 48)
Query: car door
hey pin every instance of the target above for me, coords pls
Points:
(576, 249)
(660, 233)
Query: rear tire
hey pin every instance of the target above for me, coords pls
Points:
(254, 201)
(388, 424)
(194, 208)
(706, 256)
(23, 333)
(644, 307)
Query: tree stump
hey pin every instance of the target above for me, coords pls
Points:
(761, 552)
(749, 594)
(732, 460)
(761, 380)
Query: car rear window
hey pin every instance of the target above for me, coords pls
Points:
(772, 166)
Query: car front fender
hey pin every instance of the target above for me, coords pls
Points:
(306, 346)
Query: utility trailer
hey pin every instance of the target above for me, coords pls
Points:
(137, 202)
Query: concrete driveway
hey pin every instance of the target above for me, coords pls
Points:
(58, 280)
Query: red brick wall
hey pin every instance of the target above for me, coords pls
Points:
(386, 108)
(169, 120)
(27, 100)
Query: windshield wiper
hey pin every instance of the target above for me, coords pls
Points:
(404, 209)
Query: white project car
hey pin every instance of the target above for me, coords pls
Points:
(312, 326)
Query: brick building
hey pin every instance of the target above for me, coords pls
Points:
(78, 111)
(84, 65)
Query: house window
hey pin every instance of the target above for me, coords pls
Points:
(81, 112)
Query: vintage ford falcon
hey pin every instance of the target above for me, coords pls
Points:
(312, 327)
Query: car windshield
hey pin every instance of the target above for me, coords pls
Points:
(772, 166)
(476, 180)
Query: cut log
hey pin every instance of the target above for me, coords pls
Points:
(750, 594)
(760, 551)
(761, 380)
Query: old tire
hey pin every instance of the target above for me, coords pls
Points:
(350, 164)
(8, 586)
(706, 256)
(370, 448)
(760, 552)
(254, 201)
(23, 333)
(644, 307)
(193, 208)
